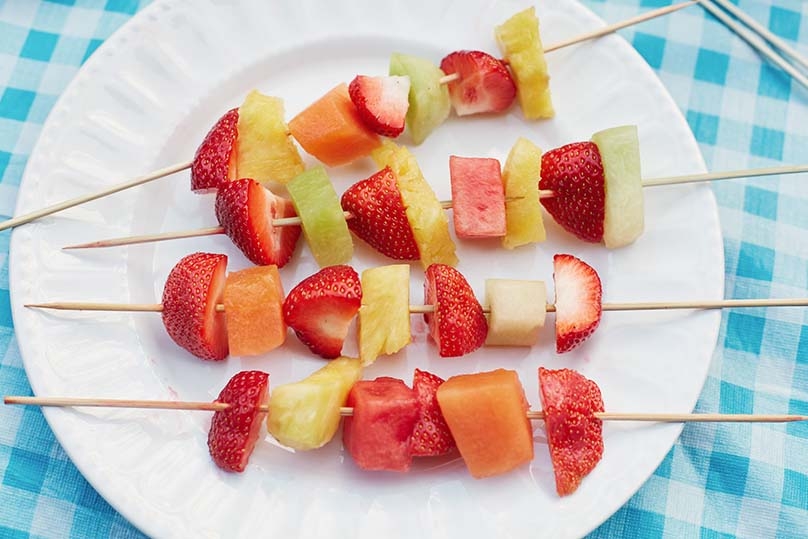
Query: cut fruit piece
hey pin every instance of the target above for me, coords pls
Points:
(429, 99)
(235, 430)
(321, 307)
(253, 306)
(379, 217)
(384, 317)
(305, 415)
(215, 160)
(381, 102)
(431, 436)
(578, 304)
(518, 309)
(379, 432)
(428, 220)
(331, 130)
(478, 198)
(484, 83)
(193, 288)
(486, 413)
(322, 217)
(523, 215)
(457, 324)
(520, 44)
(624, 215)
(574, 434)
(246, 209)
(266, 152)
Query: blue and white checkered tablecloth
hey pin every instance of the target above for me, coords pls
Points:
(720, 480)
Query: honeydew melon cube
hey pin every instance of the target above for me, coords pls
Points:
(429, 99)
(517, 311)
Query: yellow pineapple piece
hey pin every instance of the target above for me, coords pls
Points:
(384, 317)
(520, 44)
(520, 176)
(266, 152)
(305, 415)
(430, 226)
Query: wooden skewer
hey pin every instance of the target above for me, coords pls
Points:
(346, 411)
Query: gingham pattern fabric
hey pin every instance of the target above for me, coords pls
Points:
(719, 480)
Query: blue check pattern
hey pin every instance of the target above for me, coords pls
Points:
(719, 480)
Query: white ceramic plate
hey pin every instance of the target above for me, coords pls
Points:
(147, 97)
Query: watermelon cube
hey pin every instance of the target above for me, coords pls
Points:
(478, 197)
(379, 433)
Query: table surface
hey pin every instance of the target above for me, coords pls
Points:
(719, 480)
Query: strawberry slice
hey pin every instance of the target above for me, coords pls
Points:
(574, 434)
(379, 217)
(193, 289)
(381, 102)
(484, 83)
(578, 306)
(321, 307)
(457, 324)
(575, 173)
(235, 430)
(215, 160)
(431, 435)
(245, 209)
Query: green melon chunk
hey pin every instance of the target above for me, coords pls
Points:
(620, 153)
(429, 99)
(322, 217)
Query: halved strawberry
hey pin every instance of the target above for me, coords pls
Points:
(193, 289)
(215, 160)
(245, 209)
(574, 172)
(235, 430)
(382, 102)
(321, 307)
(578, 305)
(457, 324)
(379, 217)
(484, 83)
(431, 435)
(574, 434)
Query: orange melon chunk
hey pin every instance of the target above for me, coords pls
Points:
(253, 300)
(330, 129)
(486, 413)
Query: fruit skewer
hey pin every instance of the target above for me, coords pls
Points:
(177, 167)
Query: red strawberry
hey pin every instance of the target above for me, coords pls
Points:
(379, 216)
(457, 324)
(235, 430)
(431, 435)
(484, 83)
(382, 102)
(574, 434)
(575, 173)
(578, 306)
(321, 307)
(193, 289)
(245, 209)
(215, 160)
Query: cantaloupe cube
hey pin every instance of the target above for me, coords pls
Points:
(478, 197)
(517, 311)
(384, 317)
(523, 213)
(253, 303)
(330, 129)
(487, 415)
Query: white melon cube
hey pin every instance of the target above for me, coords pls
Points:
(517, 311)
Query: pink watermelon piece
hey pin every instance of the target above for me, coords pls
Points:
(478, 197)
(379, 433)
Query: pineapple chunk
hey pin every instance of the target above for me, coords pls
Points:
(520, 44)
(266, 152)
(305, 415)
(518, 309)
(428, 221)
(523, 215)
(384, 317)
